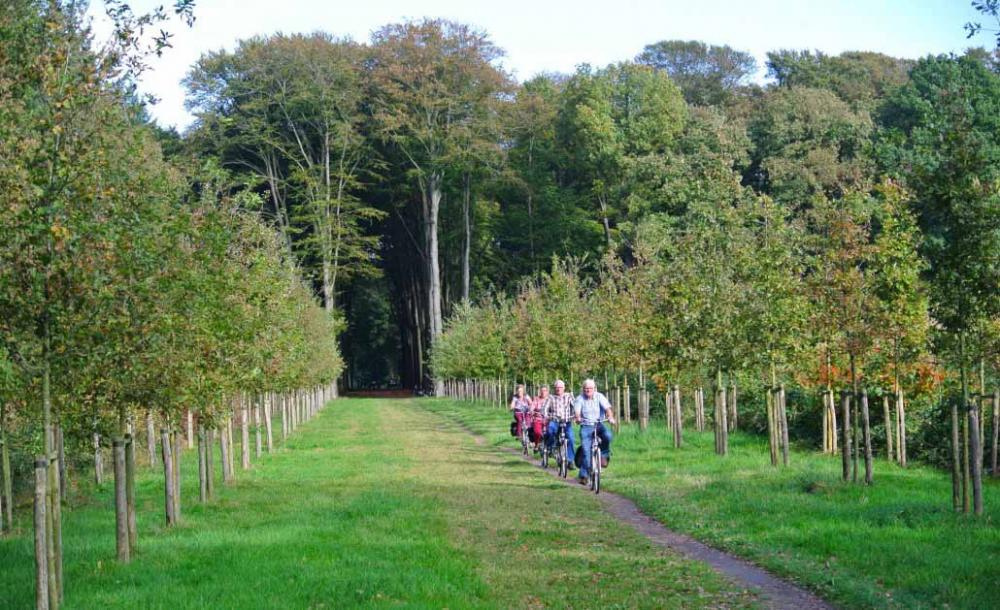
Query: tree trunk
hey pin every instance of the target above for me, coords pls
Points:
(993, 448)
(95, 441)
(150, 440)
(887, 421)
(61, 458)
(121, 501)
(190, 429)
(855, 455)
(866, 432)
(977, 462)
(245, 437)
(956, 460)
(133, 530)
(783, 421)
(202, 465)
(432, 206)
(257, 408)
(168, 478)
(41, 543)
(772, 421)
(232, 447)
(733, 410)
(267, 422)
(6, 488)
(209, 467)
(900, 428)
(467, 230)
(178, 450)
(224, 455)
(845, 444)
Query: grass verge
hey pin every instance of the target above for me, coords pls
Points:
(372, 504)
(895, 544)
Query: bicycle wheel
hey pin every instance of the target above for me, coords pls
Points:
(563, 462)
(545, 456)
(595, 468)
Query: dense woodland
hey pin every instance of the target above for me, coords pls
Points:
(825, 246)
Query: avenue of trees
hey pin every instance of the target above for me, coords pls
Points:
(824, 247)
(139, 298)
(817, 258)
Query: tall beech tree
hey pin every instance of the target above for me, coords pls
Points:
(430, 81)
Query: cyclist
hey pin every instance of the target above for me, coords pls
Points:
(559, 412)
(521, 406)
(538, 417)
(590, 409)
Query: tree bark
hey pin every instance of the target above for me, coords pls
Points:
(6, 489)
(977, 462)
(121, 502)
(209, 467)
(900, 428)
(887, 421)
(467, 230)
(130, 517)
(267, 422)
(245, 437)
(202, 465)
(224, 455)
(866, 433)
(95, 441)
(150, 440)
(993, 448)
(178, 451)
(168, 478)
(190, 429)
(783, 420)
(257, 409)
(432, 206)
(41, 543)
(772, 421)
(845, 444)
(956, 460)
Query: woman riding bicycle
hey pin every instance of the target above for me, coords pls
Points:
(538, 417)
(521, 407)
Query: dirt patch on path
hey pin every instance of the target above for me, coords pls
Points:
(774, 592)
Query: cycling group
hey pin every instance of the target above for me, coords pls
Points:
(544, 423)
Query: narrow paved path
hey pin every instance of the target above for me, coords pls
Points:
(775, 592)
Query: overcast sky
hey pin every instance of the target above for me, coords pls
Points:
(556, 35)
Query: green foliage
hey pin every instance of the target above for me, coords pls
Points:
(708, 75)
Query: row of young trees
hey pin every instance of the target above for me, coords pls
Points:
(868, 284)
(131, 288)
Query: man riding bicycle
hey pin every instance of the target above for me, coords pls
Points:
(590, 409)
(558, 411)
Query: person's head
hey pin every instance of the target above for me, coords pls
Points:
(560, 387)
(589, 388)
(543, 391)
(519, 390)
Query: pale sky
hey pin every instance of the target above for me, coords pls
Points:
(557, 35)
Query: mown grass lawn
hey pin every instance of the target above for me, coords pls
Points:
(895, 544)
(373, 504)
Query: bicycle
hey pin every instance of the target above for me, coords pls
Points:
(525, 441)
(544, 451)
(596, 460)
(563, 442)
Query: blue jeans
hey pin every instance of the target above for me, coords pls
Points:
(587, 438)
(553, 434)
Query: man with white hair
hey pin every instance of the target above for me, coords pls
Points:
(590, 409)
(558, 409)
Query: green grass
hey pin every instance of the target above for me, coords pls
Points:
(372, 504)
(895, 544)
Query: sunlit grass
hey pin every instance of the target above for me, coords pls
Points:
(896, 543)
(372, 504)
